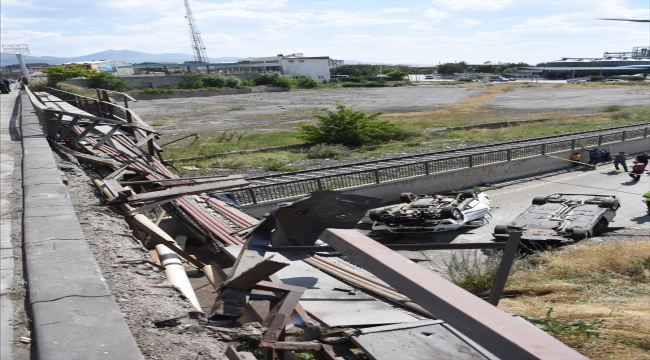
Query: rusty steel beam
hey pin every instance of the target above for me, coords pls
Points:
(408, 247)
(503, 335)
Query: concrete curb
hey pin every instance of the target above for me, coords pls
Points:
(74, 314)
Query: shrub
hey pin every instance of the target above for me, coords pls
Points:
(157, 91)
(374, 84)
(349, 127)
(214, 80)
(614, 77)
(266, 78)
(596, 78)
(233, 82)
(321, 151)
(307, 83)
(465, 80)
(246, 82)
(472, 272)
(636, 78)
(191, 81)
(396, 75)
(283, 81)
(351, 84)
(107, 81)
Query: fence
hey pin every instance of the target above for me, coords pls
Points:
(391, 172)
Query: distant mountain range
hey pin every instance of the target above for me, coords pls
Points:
(127, 56)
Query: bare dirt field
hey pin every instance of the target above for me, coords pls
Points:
(557, 99)
(250, 110)
(237, 111)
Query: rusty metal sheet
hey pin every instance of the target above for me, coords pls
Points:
(327, 301)
(483, 323)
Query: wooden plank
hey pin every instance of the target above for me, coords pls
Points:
(186, 180)
(84, 133)
(144, 141)
(67, 129)
(291, 345)
(86, 157)
(184, 190)
(153, 205)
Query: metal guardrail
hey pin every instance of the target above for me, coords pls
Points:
(300, 183)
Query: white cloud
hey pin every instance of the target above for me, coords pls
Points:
(472, 4)
(435, 14)
(468, 22)
(422, 26)
(394, 10)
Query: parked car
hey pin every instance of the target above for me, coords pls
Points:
(562, 218)
(616, 80)
(432, 213)
(576, 81)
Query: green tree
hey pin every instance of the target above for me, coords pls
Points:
(356, 70)
(396, 75)
(58, 73)
(214, 80)
(284, 81)
(451, 68)
(266, 78)
(107, 81)
(349, 127)
(307, 83)
(191, 81)
(233, 82)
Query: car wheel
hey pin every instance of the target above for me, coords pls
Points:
(501, 229)
(610, 204)
(468, 194)
(451, 213)
(407, 197)
(375, 215)
(579, 234)
(539, 200)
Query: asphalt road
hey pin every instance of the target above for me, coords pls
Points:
(511, 200)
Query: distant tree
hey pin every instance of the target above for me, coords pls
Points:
(450, 68)
(191, 81)
(107, 81)
(307, 83)
(542, 64)
(396, 75)
(58, 73)
(356, 70)
(284, 81)
(266, 78)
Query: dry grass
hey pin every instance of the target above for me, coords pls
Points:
(608, 281)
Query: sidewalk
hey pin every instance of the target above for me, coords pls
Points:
(10, 160)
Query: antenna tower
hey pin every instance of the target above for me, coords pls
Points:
(197, 44)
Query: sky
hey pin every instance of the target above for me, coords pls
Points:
(380, 31)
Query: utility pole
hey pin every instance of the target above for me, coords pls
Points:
(200, 54)
(18, 50)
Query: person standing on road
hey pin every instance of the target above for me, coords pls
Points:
(646, 197)
(7, 84)
(637, 170)
(594, 155)
(3, 88)
(620, 160)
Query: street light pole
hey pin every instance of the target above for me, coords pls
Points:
(18, 50)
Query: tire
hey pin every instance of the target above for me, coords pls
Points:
(539, 200)
(501, 229)
(451, 213)
(407, 197)
(610, 204)
(469, 194)
(579, 234)
(375, 215)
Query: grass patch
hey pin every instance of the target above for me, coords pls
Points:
(472, 271)
(598, 294)
(612, 108)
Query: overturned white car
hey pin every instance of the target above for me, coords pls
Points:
(432, 213)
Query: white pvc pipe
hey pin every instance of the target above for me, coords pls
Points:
(175, 273)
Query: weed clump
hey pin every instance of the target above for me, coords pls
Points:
(471, 271)
(280, 166)
(322, 151)
(612, 108)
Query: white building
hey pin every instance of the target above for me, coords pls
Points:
(296, 65)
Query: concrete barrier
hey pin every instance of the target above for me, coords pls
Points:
(469, 177)
(74, 314)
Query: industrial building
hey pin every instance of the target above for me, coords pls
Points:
(295, 65)
(633, 62)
